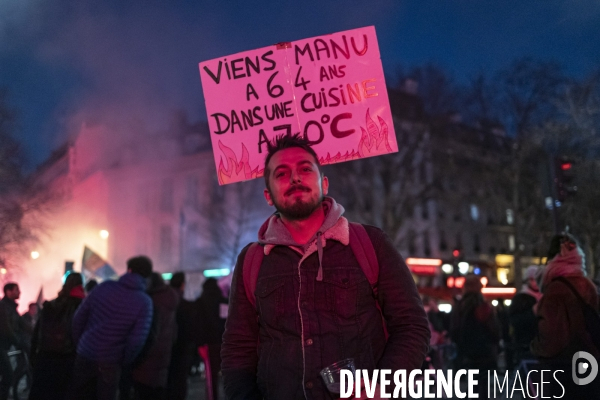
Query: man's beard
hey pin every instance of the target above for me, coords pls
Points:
(299, 210)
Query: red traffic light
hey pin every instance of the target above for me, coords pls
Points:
(456, 253)
(566, 166)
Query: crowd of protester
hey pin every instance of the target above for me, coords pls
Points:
(549, 320)
(135, 338)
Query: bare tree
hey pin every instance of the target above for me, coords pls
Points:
(22, 203)
(574, 133)
(438, 90)
(231, 219)
(384, 191)
(522, 97)
(10, 154)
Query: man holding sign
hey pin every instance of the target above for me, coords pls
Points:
(308, 302)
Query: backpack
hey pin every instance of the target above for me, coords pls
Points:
(590, 315)
(361, 246)
(55, 328)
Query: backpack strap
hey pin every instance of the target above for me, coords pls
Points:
(252, 261)
(363, 250)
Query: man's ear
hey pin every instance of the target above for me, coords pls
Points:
(325, 185)
(267, 195)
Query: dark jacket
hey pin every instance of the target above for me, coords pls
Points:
(476, 331)
(522, 320)
(62, 308)
(10, 321)
(113, 322)
(211, 324)
(304, 325)
(561, 324)
(153, 369)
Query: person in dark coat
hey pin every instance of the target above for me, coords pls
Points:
(562, 326)
(9, 328)
(110, 328)
(185, 347)
(476, 331)
(23, 366)
(212, 313)
(522, 317)
(151, 373)
(52, 351)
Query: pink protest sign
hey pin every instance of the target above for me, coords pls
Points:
(329, 88)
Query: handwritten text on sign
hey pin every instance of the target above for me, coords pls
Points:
(329, 88)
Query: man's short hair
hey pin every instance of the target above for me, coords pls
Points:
(10, 287)
(282, 142)
(177, 280)
(140, 265)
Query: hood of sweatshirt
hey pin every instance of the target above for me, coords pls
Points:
(133, 281)
(274, 233)
(567, 263)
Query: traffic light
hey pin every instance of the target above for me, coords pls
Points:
(563, 178)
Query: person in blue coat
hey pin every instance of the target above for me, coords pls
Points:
(110, 329)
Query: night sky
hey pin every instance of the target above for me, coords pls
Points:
(64, 60)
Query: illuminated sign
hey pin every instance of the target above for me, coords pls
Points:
(423, 266)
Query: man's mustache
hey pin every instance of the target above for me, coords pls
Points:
(295, 188)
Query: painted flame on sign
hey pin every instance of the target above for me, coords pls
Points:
(374, 139)
(236, 171)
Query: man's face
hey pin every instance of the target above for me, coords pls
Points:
(14, 294)
(296, 185)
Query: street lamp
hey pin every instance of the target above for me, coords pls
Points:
(104, 234)
(35, 255)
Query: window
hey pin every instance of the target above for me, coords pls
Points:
(474, 212)
(412, 248)
(166, 242)
(476, 244)
(510, 218)
(458, 241)
(166, 196)
(426, 244)
(192, 237)
(511, 243)
(425, 210)
(191, 195)
(490, 217)
(423, 168)
(443, 243)
(457, 216)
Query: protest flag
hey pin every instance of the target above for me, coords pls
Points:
(95, 267)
